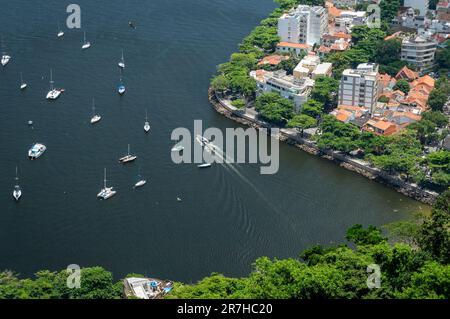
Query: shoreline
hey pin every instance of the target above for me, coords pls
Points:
(352, 164)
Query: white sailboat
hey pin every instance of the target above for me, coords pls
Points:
(53, 94)
(23, 85)
(106, 192)
(95, 117)
(122, 62)
(5, 57)
(146, 124)
(60, 32)
(141, 182)
(17, 192)
(121, 87)
(86, 44)
(127, 158)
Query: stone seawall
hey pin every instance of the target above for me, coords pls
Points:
(349, 163)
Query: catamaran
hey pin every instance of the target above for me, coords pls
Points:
(36, 151)
(60, 32)
(121, 87)
(17, 192)
(127, 158)
(122, 62)
(146, 124)
(53, 94)
(106, 192)
(95, 117)
(23, 85)
(86, 44)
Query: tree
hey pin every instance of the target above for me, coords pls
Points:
(402, 85)
(312, 108)
(220, 83)
(360, 236)
(274, 108)
(438, 118)
(437, 99)
(238, 103)
(325, 91)
(302, 122)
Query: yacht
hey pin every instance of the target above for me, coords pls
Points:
(86, 44)
(177, 148)
(140, 183)
(127, 158)
(95, 117)
(121, 87)
(106, 192)
(36, 151)
(17, 192)
(122, 62)
(53, 94)
(146, 124)
(23, 85)
(5, 57)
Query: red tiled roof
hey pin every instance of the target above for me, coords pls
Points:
(294, 45)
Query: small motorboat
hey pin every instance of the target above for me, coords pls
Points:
(204, 165)
(60, 34)
(36, 151)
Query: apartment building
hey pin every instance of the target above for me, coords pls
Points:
(344, 3)
(304, 24)
(294, 88)
(418, 51)
(420, 5)
(359, 87)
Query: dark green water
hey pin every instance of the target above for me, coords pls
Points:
(229, 216)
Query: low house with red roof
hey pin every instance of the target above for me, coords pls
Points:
(274, 59)
(296, 48)
(380, 127)
(407, 74)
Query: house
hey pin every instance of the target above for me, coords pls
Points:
(274, 59)
(295, 48)
(407, 74)
(380, 127)
(323, 69)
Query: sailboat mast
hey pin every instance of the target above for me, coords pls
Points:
(104, 180)
(128, 149)
(51, 79)
(21, 81)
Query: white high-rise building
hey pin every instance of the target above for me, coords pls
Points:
(421, 5)
(304, 24)
(359, 87)
(418, 51)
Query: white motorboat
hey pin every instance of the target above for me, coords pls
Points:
(106, 192)
(177, 148)
(36, 151)
(53, 94)
(86, 44)
(17, 192)
(95, 117)
(204, 165)
(122, 62)
(5, 59)
(147, 123)
(23, 85)
(140, 183)
(127, 158)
